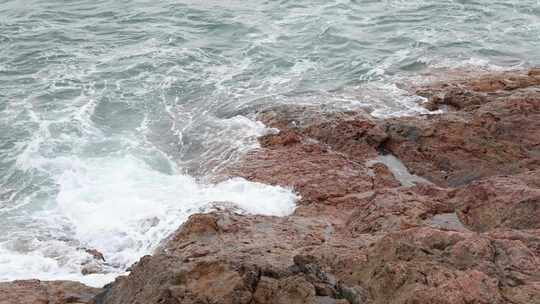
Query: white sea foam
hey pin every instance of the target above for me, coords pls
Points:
(123, 208)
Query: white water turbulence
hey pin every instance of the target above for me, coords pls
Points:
(124, 208)
(115, 115)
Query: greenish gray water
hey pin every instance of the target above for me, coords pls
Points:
(113, 113)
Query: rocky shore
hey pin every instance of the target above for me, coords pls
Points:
(439, 208)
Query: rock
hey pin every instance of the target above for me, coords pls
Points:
(95, 254)
(200, 225)
(250, 259)
(42, 292)
(324, 159)
(383, 176)
(294, 290)
(353, 133)
(317, 174)
(501, 202)
(357, 137)
(426, 265)
(500, 137)
(283, 138)
(395, 209)
(493, 130)
(534, 72)
(528, 293)
(471, 92)
(91, 267)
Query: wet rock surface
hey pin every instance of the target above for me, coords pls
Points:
(441, 208)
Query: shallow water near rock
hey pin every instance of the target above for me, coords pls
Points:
(114, 115)
(399, 170)
(447, 221)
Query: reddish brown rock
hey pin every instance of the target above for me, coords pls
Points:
(294, 289)
(324, 159)
(425, 265)
(389, 210)
(468, 92)
(318, 174)
(257, 259)
(250, 259)
(41, 292)
(534, 72)
(383, 176)
(501, 202)
(357, 137)
(283, 138)
(500, 135)
(353, 133)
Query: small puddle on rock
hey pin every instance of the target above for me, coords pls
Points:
(446, 221)
(398, 169)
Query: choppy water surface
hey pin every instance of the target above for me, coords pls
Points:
(114, 113)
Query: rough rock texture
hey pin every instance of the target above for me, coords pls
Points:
(497, 133)
(426, 265)
(501, 202)
(360, 234)
(473, 92)
(389, 210)
(228, 258)
(323, 162)
(41, 292)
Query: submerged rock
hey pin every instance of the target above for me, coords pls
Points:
(95, 264)
(96, 254)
